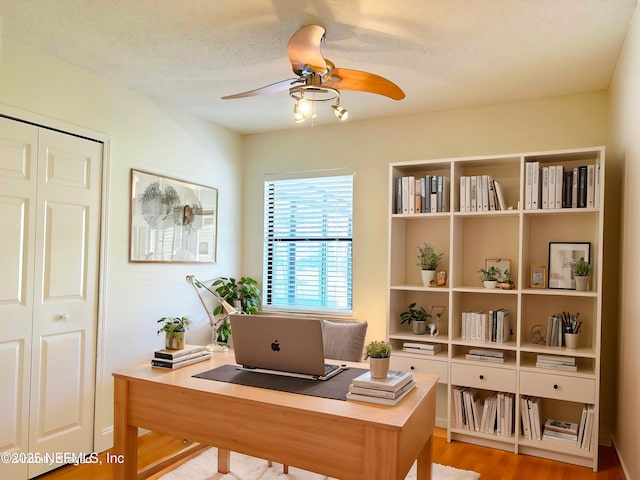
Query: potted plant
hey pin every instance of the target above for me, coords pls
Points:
(490, 276)
(378, 352)
(581, 270)
(175, 329)
(505, 282)
(428, 261)
(244, 295)
(418, 316)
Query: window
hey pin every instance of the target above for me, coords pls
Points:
(308, 242)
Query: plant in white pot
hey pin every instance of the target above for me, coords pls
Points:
(175, 329)
(581, 270)
(378, 352)
(428, 261)
(417, 316)
(490, 276)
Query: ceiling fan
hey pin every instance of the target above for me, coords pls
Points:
(318, 79)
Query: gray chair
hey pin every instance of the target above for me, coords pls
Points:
(342, 341)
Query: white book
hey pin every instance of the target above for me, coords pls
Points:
(434, 194)
(559, 183)
(551, 200)
(499, 195)
(479, 193)
(534, 412)
(412, 194)
(418, 198)
(474, 195)
(485, 193)
(588, 432)
(524, 414)
(467, 195)
(535, 186)
(463, 193)
(591, 173)
(379, 400)
(492, 196)
(596, 195)
(405, 195)
(545, 187)
(583, 421)
(528, 182)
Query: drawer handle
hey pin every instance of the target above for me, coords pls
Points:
(412, 367)
(555, 386)
(481, 377)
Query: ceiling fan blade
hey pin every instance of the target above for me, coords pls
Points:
(345, 79)
(273, 88)
(304, 50)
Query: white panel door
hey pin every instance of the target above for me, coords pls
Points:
(18, 167)
(65, 296)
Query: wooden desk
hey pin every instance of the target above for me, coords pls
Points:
(340, 439)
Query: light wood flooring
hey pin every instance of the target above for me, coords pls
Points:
(491, 464)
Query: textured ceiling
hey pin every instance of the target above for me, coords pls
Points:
(442, 53)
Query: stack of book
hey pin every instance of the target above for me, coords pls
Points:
(427, 194)
(421, 348)
(173, 359)
(493, 416)
(558, 362)
(482, 355)
(480, 193)
(494, 326)
(530, 413)
(553, 186)
(585, 428)
(385, 391)
(557, 430)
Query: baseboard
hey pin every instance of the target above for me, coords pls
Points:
(623, 467)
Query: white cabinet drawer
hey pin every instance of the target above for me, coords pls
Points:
(479, 376)
(420, 365)
(560, 387)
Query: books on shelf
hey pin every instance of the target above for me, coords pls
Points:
(421, 194)
(422, 348)
(485, 355)
(559, 362)
(174, 359)
(553, 187)
(494, 326)
(494, 415)
(383, 391)
(480, 193)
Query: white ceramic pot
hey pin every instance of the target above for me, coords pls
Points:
(428, 276)
(490, 283)
(582, 283)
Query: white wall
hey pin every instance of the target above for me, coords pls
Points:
(147, 137)
(368, 147)
(625, 143)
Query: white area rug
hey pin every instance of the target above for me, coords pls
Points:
(204, 466)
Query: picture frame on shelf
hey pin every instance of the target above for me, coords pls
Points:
(561, 256)
(538, 276)
(501, 264)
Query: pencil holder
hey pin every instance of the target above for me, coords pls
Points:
(571, 340)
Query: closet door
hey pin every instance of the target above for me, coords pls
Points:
(65, 295)
(18, 169)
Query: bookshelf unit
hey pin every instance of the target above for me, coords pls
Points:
(521, 235)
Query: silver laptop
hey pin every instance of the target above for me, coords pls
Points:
(289, 346)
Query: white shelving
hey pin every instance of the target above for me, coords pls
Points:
(522, 236)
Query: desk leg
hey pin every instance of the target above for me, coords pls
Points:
(224, 461)
(125, 436)
(424, 460)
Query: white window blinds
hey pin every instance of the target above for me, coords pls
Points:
(308, 243)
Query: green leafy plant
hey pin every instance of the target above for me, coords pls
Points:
(378, 349)
(174, 325)
(581, 268)
(428, 258)
(491, 274)
(246, 290)
(506, 277)
(414, 314)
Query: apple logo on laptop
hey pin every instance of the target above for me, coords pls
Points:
(275, 346)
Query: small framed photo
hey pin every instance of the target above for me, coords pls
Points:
(500, 263)
(538, 276)
(441, 278)
(561, 255)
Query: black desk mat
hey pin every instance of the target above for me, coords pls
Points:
(336, 387)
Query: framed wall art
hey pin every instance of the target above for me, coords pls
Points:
(171, 220)
(501, 264)
(538, 276)
(561, 255)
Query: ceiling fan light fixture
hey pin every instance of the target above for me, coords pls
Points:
(298, 116)
(341, 113)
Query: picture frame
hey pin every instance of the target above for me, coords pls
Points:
(500, 263)
(538, 276)
(561, 255)
(171, 220)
